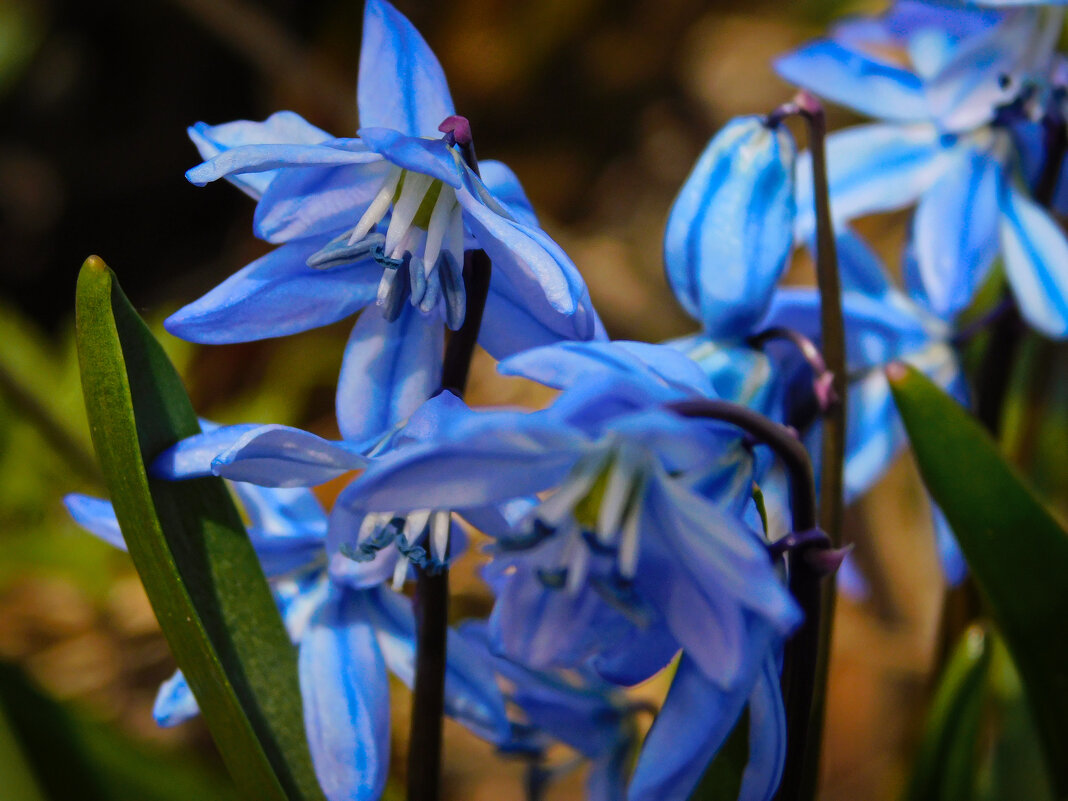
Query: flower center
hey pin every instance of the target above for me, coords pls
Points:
(421, 251)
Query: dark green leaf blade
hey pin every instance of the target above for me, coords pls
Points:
(1017, 552)
(190, 548)
(945, 765)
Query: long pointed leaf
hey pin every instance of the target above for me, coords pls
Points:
(191, 551)
(1015, 549)
(945, 766)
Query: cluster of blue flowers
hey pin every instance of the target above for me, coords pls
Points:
(625, 538)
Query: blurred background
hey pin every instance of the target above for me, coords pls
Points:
(600, 106)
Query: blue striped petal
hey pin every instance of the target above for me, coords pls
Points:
(767, 736)
(193, 456)
(389, 370)
(402, 85)
(277, 295)
(283, 127)
(504, 185)
(174, 703)
(281, 456)
(97, 516)
(955, 231)
(871, 168)
(852, 78)
(345, 689)
(1036, 262)
(730, 231)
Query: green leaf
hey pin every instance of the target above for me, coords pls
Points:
(722, 780)
(191, 550)
(945, 765)
(98, 763)
(1017, 552)
(19, 781)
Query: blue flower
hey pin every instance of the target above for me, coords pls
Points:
(383, 219)
(949, 142)
(882, 324)
(348, 633)
(639, 550)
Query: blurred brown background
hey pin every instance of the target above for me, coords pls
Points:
(600, 106)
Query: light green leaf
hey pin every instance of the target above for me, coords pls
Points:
(191, 551)
(945, 765)
(1017, 552)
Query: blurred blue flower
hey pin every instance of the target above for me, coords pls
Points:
(882, 324)
(347, 632)
(952, 86)
(383, 218)
(639, 550)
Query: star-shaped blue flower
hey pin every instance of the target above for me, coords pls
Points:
(965, 83)
(383, 219)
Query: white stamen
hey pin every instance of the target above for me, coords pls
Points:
(454, 237)
(415, 525)
(404, 210)
(440, 219)
(554, 509)
(400, 572)
(628, 542)
(616, 493)
(439, 535)
(378, 208)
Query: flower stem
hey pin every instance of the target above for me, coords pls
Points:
(807, 569)
(431, 602)
(801, 775)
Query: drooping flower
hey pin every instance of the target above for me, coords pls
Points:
(348, 633)
(633, 545)
(383, 219)
(962, 90)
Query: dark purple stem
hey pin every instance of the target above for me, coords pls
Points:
(431, 602)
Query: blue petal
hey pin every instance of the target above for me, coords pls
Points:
(767, 736)
(504, 185)
(694, 722)
(730, 231)
(695, 557)
(1036, 262)
(345, 689)
(954, 567)
(529, 268)
(967, 91)
(871, 168)
(607, 780)
(736, 372)
(560, 366)
(874, 434)
(96, 516)
(488, 458)
(471, 693)
(280, 456)
(431, 157)
(280, 128)
(277, 512)
(860, 268)
(255, 158)
(510, 326)
(193, 456)
(852, 78)
(389, 370)
(401, 84)
(956, 232)
(175, 703)
(316, 201)
(277, 295)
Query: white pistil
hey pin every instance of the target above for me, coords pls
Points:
(412, 192)
(628, 541)
(378, 208)
(617, 492)
(400, 572)
(439, 535)
(440, 220)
